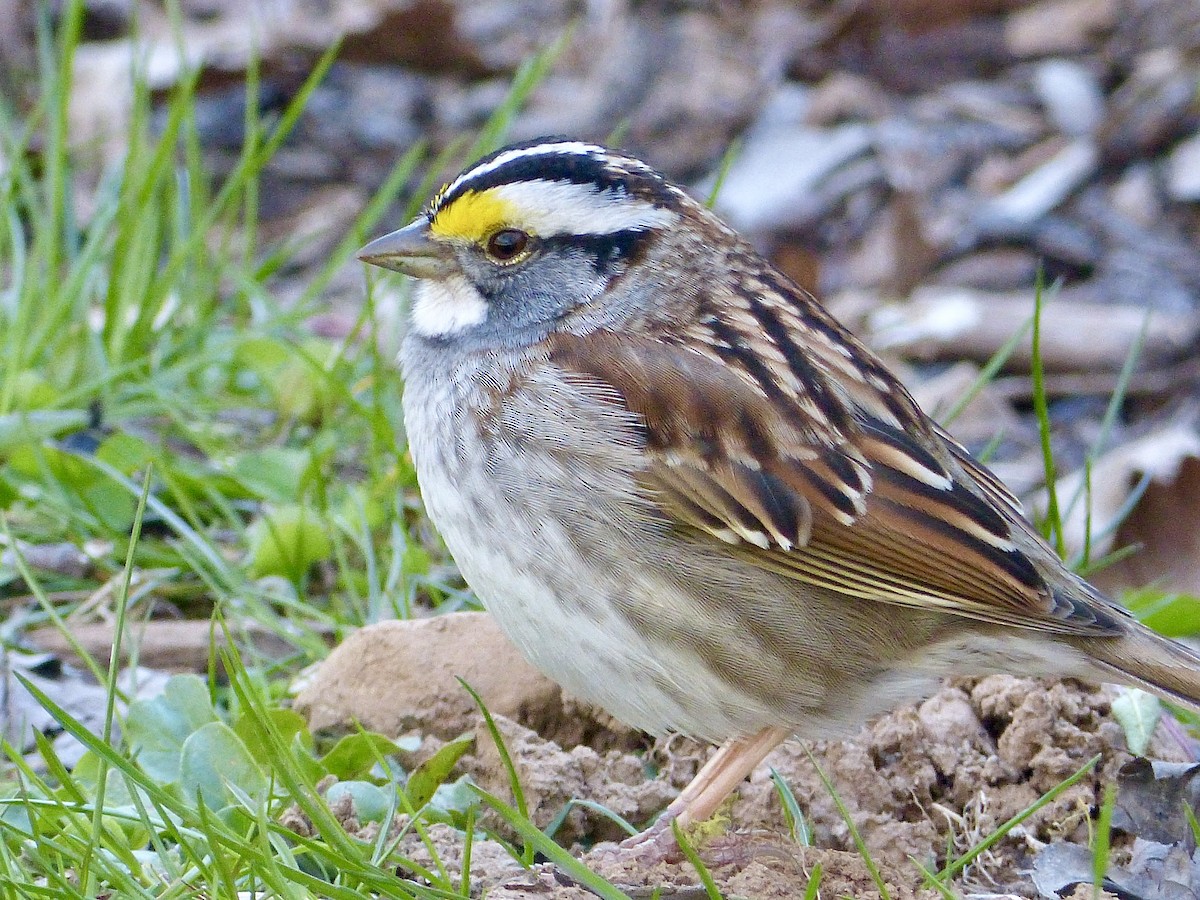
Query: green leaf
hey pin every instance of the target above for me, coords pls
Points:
(431, 774)
(455, 799)
(110, 503)
(157, 729)
(355, 754)
(1138, 712)
(124, 452)
(30, 390)
(213, 760)
(371, 804)
(92, 490)
(118, 799)
(302, 755)
(274, 473)
(1175, 615)
(287, 541)
(289, 723)
(8, 494)
(37, 425)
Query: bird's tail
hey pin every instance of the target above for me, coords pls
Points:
(1147, 660)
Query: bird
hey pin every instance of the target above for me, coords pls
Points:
(692, 497)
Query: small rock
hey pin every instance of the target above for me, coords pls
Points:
(1183, 170)
(1071, 95)
(771, 183)
(397, 676)
(1042, 189)
(1059, 26)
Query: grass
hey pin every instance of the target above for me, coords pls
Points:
(158, 405)
(161, 407)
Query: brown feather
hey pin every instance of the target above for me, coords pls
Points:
(883, 508)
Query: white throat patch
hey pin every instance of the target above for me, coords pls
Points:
(446, 307)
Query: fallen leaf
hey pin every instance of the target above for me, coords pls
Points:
(1164, 521)
(1153, 798)
(1138, 713)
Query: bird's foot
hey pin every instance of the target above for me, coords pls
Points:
(654, 856)
(645, 849)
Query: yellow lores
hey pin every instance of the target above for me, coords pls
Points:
(474, 216)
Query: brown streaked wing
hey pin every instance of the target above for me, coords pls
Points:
(996, 490)
(870, 512)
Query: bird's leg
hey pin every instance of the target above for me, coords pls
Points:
(704, 794)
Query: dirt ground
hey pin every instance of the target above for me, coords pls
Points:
(919, 783)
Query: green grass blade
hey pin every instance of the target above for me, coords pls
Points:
(529, 75)
(855, 834)
(728, 158)
(1102, 845)
(797, 823)
(1041, 410)
(114, 669)
(689, 852)
(988, 373)
(506, 760)
(953, 868)
(536, 840)
(813, 889)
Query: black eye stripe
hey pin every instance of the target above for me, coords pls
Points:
(606, 249)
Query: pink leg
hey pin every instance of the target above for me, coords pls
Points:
(713, 783)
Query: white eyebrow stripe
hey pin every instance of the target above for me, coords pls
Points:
(548, 208)
(578, 148)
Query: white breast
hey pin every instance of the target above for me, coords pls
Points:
(501, 498)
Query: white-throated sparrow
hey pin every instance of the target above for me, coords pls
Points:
(692, 497)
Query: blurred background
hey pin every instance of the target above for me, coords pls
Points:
(916, 164)
(1001, 197)
(919, 166)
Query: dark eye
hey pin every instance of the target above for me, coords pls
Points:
(507, 245)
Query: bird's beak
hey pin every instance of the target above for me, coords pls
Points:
(410, 250)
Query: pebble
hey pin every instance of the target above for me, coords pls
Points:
(1058, 26)
(1183, 170)
(1071, 95)
(1042, 189)
(771, 182)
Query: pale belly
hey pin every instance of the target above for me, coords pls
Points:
(566, 553)
(544, 517)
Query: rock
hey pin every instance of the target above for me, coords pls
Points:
(772, 182)
(1059, 26)
(1071, 94)
(394, 677)
(1183, 170)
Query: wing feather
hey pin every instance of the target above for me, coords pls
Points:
(886, 508)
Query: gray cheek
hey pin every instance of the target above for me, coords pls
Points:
(525, 304)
